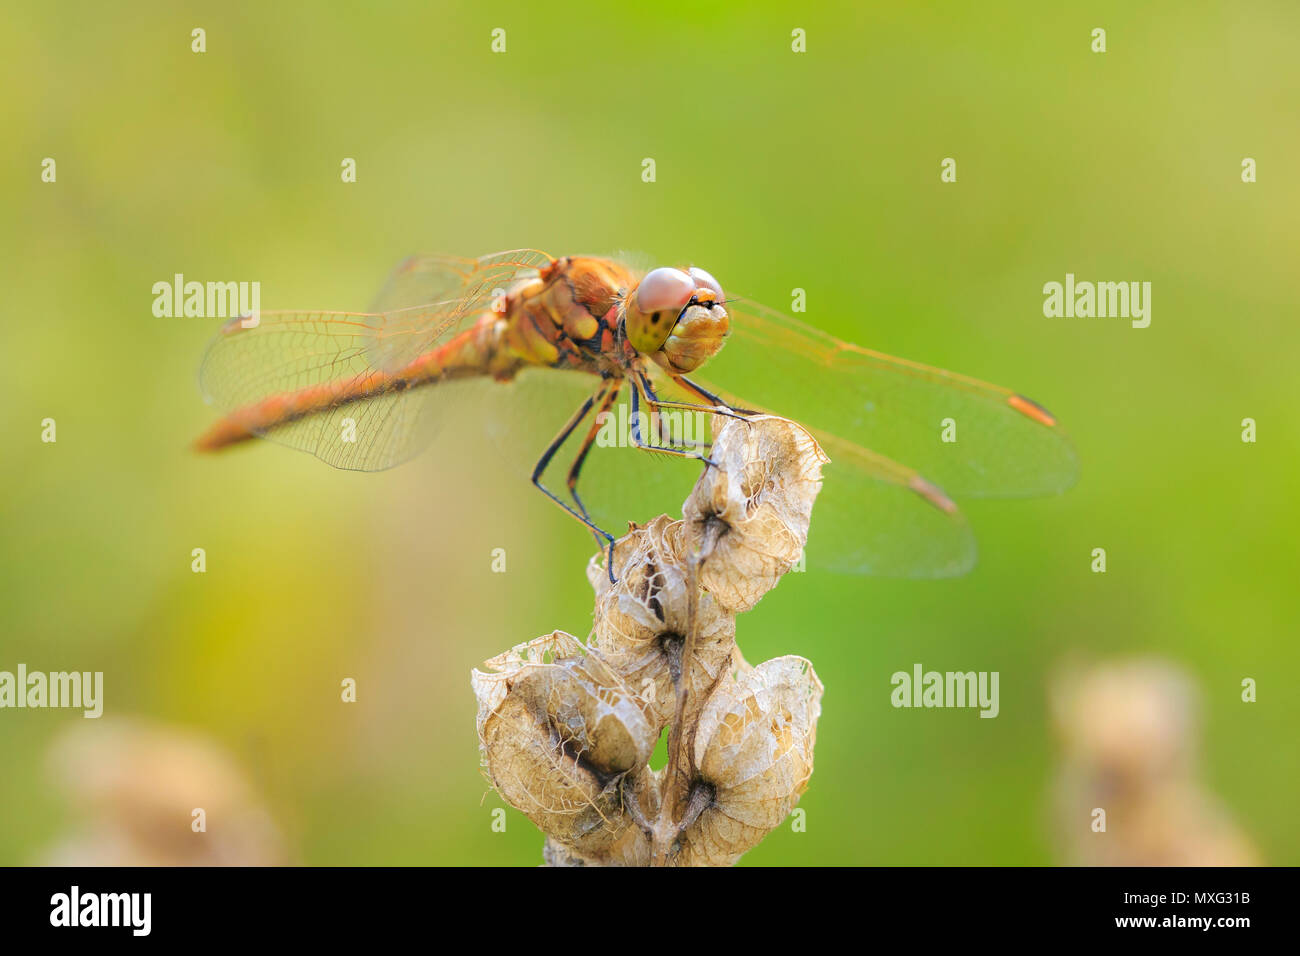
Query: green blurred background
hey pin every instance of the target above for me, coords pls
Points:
(775, 170)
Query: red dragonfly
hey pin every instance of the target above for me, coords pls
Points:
(520, 329)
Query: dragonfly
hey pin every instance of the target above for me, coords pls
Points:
(514, 335)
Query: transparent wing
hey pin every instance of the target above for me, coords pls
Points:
(464, 287)
(971, 438)
(256, 375)
(873, 515)
(872, 413)
(422, 279)
(877, 517)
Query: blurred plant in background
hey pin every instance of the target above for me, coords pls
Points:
(1130, 791)
(142, 794)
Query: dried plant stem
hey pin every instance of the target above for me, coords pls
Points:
(675, 812)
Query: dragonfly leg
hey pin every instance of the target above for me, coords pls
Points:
(715, 406)
(708, 396)
(545, 460)
(576, 468)
(695, 443)
(652, 397)
(639, 440)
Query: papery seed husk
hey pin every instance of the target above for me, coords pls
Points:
(532, 771)
(602, 718)
(491, 681)
(751, 513)
(754, 749)
(566, 730)
(649, 606)
(629, 848)
(557, 740)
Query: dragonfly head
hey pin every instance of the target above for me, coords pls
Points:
(677, 318)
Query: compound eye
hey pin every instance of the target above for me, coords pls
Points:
(705, 281)
(665, 290)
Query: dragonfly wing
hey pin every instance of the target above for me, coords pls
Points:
(462, 287)
(878, 517)
(915, 531)
(971, 438)
(901, 437)
(420, 279)
(255, 374)
(249, 372)
(380, 433)
(873, 515)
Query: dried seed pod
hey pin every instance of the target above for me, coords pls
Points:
(753, 758)
(566, 731)
(592, 708)
(558, 733)
(630, 848)
(641, 622)
(492, 683)
(555, 853)
(749, 515)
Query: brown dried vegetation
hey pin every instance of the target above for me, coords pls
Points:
(566, 730)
